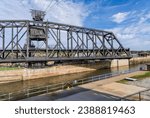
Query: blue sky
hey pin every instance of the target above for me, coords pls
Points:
(128, 19)
(103, 10)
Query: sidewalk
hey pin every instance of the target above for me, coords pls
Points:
(106, 89)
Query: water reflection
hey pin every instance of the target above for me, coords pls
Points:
(17, 86)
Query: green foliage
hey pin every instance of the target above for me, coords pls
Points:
(147, 74)
(123, 81)
(8, 68)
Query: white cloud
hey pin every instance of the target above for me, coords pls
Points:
(65, 12)
(144, 18)
(120, 17)
(136, 33)
(134, 36)
(11, 9)
(69, 13)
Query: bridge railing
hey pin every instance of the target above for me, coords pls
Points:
(26, 93)
(139, 96)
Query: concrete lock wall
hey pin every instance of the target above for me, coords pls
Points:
(28, 74)
(53, 71)
(11, 76)
(140, 60)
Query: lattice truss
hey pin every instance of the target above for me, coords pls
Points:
(31, 40)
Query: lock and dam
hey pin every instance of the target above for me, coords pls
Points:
(61, 50)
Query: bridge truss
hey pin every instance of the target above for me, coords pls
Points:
(35, 41)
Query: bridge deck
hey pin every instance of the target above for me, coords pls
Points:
(58, 59)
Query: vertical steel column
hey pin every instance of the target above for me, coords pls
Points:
(95, 46)
(1, 38)
(27, 40)
(93, 38)
(58, 42)
(82, 40)
(112, 47)
(68, 43)
(103, 43)
(78, 45)
(71, 43)
(12, 40)
(47, 39)
(17, 44)
(3, 43)
(87, 45)
(82, 43)
(59, 39)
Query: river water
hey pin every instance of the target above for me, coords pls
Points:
(18, 86)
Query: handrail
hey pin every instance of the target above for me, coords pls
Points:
(137, 93)
(61, 86)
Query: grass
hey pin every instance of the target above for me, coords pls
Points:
(123, 81)
(147, 74)
(8, 68)
(139, 77)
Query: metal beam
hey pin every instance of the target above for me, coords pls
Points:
(70, 42)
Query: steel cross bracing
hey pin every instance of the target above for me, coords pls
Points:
(29, 41)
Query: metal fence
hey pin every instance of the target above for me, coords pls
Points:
(26, 93)
(139, 96)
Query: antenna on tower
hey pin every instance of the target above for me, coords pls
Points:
(38, 15)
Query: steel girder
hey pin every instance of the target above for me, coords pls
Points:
(62, 42)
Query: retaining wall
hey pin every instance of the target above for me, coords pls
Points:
(140, 60)
(28, 74)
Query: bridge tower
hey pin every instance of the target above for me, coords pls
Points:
(37, 37)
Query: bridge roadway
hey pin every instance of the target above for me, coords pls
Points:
(64, 55)
(35, 59)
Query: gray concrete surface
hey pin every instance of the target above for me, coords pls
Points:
(74, 94)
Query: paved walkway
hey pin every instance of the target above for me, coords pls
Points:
(118, 89)
(110, 80)
(101, 90)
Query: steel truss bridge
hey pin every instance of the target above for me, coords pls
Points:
(39, 41)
